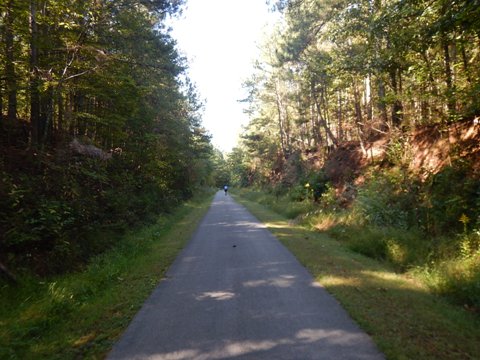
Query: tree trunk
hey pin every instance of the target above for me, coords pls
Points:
(1, 105)
(466, 68)
(47, 113)
(424, 108)
(281, 124)
(317, 136)
(381, 104)
(358, 116)
(448, 78)
(34, 77)
(59, 125)
(323, 122)
(368, 98)
(357, 106)
(10, 76)
(339, 116)
(397, 107)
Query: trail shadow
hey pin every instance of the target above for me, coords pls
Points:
(251, 301)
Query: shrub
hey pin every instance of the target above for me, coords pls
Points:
(448, 195)
(388, 199)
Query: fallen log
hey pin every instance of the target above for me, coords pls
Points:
(89, 150)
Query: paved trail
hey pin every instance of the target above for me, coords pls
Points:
(236, 293)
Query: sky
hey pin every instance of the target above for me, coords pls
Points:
(220, 39)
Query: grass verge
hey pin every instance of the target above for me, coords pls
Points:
(405, 320)
(81, 315)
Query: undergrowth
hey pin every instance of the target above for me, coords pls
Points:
(81, 314)
(428, 229)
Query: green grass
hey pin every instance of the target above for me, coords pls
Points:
(81, 315)
(400, 313)
(280, 204)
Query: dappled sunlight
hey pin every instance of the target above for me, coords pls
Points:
(331, 280)
(216, 295)
(395, 280)
(83, 340)
(234, 349)
(240, 225)
(333, 336)
(373, 279)
(177, 355)
(188, 259)
(282, 281)
(282, 225)
(325, 223)
(384, 275)
(255, 283)
(239, 293)
(249, 224)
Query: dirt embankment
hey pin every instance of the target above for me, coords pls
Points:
(426, 150)
(433, 148)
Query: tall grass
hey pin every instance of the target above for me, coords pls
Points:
(398, 310)
(448, 269)
(282, 204)
(391, 220)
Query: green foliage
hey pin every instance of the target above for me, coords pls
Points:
(450, 194)
(221, 171)
(333, 76)
(339, 71)
(420, 227)
(315, 185)
(81, 314)
(387, 198)
(457, 279)
(107, 75)
(401, 248)
(281, 204)
(398, 199)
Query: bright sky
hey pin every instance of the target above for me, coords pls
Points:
(220, 38)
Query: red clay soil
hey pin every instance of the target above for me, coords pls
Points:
(348, 161)
(432, 148)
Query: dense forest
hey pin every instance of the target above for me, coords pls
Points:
(366, 112)
(100, 128)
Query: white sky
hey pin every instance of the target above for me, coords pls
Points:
(220, 38)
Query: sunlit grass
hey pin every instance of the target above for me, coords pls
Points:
(81, 315)
(399, 311)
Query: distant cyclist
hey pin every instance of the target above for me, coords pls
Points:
(226, 189)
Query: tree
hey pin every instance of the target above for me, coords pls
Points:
(103, 76)
(338, 71)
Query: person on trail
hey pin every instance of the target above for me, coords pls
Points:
(226, 189)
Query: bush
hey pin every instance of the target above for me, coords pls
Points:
(448, 195)
(55, 205)
(389, 199)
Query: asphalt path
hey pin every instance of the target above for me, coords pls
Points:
(235, 292)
